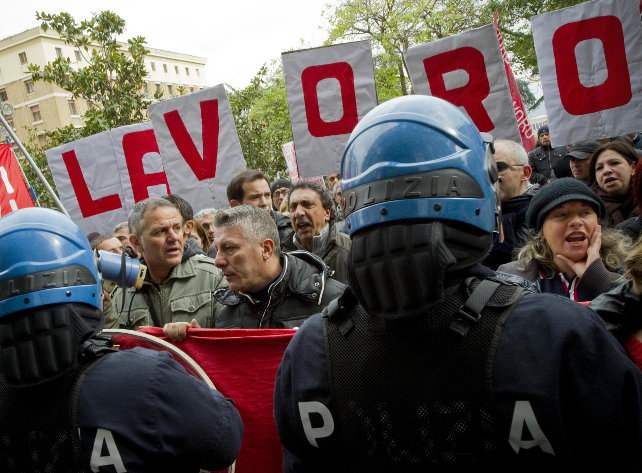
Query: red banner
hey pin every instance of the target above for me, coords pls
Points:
(242, 364)
(14, 194)
(525, 130)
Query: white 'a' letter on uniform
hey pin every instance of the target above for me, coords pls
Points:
(523, 415)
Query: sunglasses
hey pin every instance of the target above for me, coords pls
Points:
(502, 166)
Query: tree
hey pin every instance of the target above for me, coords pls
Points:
(111, 81)
(395, 25)
(515, 27)
(263, 121)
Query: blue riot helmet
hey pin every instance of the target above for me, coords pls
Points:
(419, 185)
(50, 295)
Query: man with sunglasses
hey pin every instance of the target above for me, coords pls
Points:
(515, 193)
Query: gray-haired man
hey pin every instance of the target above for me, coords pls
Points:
(174, 289)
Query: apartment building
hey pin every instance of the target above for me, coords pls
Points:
(42, 106)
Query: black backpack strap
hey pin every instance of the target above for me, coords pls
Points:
(470, 312)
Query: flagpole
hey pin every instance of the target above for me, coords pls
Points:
(33, 165)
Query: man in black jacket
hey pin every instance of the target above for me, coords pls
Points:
(267, 288)
(544, 157)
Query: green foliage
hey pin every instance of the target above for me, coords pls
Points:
(515, 27)
(263, 121)
(393, 26)
(37, 154)
(529, 99)
(110, 79)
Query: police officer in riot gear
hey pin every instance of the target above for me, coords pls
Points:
(68, 402)
(430, 361)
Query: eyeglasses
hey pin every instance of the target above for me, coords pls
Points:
(502, 166)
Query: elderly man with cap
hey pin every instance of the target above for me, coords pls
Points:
(543, 158)
(580, 161)
(279, 189)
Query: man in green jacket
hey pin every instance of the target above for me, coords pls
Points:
(178, 286)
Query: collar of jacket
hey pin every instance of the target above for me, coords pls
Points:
(319, 242)
(303, 275)
(184, 269)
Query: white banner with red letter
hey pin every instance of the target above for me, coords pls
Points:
(329, 90)
(101, 177)
(199, 144)
(467, 70)
(14, 194)
(590, 62)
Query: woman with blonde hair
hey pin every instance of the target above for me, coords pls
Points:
(570, 252)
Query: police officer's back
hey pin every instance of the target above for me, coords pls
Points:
(429, 361)
(68, 403)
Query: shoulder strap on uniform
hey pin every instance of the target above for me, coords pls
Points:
(470, 312)
(338, 311)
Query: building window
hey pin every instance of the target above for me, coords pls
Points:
(158, 88)
(59, 52)
(153, 66)
(23, 58)
(145, 88)
(198, 73)
(72, 107)
(78, 56)
(3, 95)
(35, 111)
(164, 67)
(9, 119)
(191, 88)
(29, 86)
(187, 71)
(170, 90)
(176, 69)
(42, 140)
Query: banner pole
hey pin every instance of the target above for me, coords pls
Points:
(33, 165)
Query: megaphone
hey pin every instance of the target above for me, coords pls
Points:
(126, 271)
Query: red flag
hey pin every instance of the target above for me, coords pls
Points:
(525, 130)
(242, 364)
(14, 194)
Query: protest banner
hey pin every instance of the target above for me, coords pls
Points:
(467, 70)
(14, 194)
(525, 130)
(590, 61)
(293, 170)
(199, 145)
(329, 90)
(88, 182)
(101, 177)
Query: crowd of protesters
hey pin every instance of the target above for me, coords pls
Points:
(570, 226)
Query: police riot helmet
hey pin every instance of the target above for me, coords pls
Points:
(419, 185)
(50, 295)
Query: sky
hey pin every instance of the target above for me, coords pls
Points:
(237, 37)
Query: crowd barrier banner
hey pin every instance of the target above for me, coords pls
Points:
(329, 90)
(467, 70)
(101, 177)
(14, 194)
(242, 364)
(590, 62)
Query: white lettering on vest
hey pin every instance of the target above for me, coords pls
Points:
(314, 433)
(104, 437)
(523, 415)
